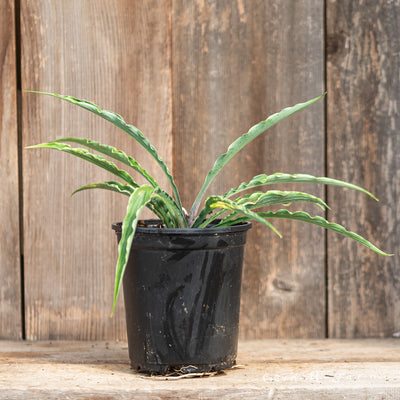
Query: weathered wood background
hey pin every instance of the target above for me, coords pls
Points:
(10, 265)
(193, 76)
(363, 145)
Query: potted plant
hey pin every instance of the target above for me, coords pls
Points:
(182, 272)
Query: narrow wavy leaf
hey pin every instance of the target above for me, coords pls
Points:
(131, 130)
(139, 199)
(242, 141)
(173, 210)
(203, 220)
(261, 180)
(109, 185)
(159, 208)
(257, 200)
(322, 222)
(274, 197)
(121, 156)
(156, 205)
(261, 199)
(95, 159)
(214, 202)
(111, 152)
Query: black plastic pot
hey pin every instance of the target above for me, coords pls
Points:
(182, 297)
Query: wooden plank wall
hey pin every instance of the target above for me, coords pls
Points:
(231, 67)
(194, 76)
(364, 147)
(120, 60)
(10, 280)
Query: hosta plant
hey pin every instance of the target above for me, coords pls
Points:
(233, 207)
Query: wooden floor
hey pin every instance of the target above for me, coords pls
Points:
(269, 369)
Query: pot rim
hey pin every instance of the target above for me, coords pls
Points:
(243, 226)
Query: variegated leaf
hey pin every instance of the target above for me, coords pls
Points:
(242, 141)
(319, 221)
(131, 130)
(109, 185)
(111, 152)
(215, 202)
(95, 159)
(261, 199)
(261, 180)
(137, 201)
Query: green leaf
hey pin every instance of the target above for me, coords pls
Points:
(261, 180)
(322, 222)
(170, 205)
(131, 130)
(214, 202)
(273, 197)
(112, 152)
(242, 141)
(139, 199)
(202, 221)
(257, 200)
(261, 199)
(159, 207)
(95, 159)
(110, 185)
(156, 205)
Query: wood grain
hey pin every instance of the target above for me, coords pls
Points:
(115, 53)
(235, 63)
(282, 369)
(10, 285)
(193, 76)
(364, 147)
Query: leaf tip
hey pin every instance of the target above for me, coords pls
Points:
(113, 308)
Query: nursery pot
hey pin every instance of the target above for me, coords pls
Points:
(182, 297)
